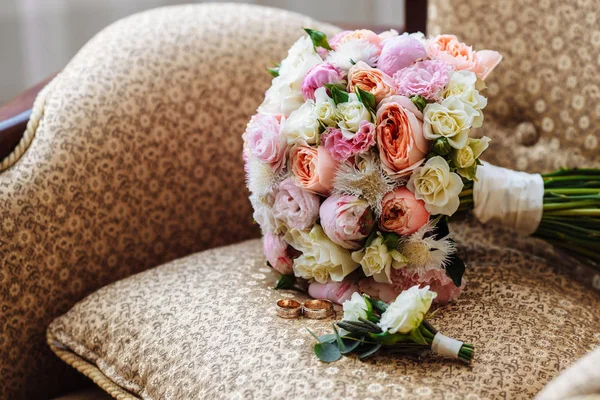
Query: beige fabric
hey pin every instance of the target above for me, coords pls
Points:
(204, 327)
(86, 394)
(546, 91)
(136, 161)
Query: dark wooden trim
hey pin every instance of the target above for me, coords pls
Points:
(416, 16)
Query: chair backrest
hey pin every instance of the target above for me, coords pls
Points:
(544, 97)
(136, 161)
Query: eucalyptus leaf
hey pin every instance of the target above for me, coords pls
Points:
(349, 345)
(340, 343)
(327, 352)
(319, 39)
(285, 282)
(369, 350)
(327, 338)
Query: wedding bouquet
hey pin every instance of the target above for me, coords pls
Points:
(358, 155)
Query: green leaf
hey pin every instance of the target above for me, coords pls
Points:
(318, 38)
(357, 327)
(349, 345)
(455, 268)
(370, 239)
(417, 336)
(441, 146)
(373, 326)
(327, 338)
(274, 71)
(340, 343)
(313, 335)
(327, 352)
(370, 350)
(366, 98)
(285, 282)
(338, 95)
(419, 101)
(391, 240)
(379, 305)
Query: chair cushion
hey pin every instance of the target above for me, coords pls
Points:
(136, 161)
(204, 326)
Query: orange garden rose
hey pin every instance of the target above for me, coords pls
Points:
(402, 146)
(402, 213)
(371, 80)
(314, 168)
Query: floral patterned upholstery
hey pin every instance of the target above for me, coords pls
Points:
(137, 161)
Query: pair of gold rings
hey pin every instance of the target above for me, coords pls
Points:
(313, 309)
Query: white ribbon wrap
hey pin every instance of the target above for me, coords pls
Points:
(446, 346)
(509, 198)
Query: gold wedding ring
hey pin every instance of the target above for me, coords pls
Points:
(317, 309)
(288, 308)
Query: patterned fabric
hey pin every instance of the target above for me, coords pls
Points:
(136, 162)
(205, 327)
(546, 92)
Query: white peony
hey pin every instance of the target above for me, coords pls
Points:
(349, 53)
(463, 85)
(350, 115)
(302, 124)
(451, 119)
(407, 311)
(285, 93)
(263, 214)
(377, 261)
(325, 109)
(436, 186)
(321, 259)
(355, 308)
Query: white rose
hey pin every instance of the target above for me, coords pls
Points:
(355, 308)
(285, 93)
(407, 311)
(325, 109)
(302, 124)
(450, 119)
(351, 114)
(463, 85)
(464, 159)
(377, 261)
(349, 53)
(436, 186)
(321, 259)
(263, 214)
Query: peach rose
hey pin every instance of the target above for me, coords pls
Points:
(371, 80)
(314, 168)
(402, 146)
(449, 49)
(402, 213)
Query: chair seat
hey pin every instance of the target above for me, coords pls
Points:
(204, 326)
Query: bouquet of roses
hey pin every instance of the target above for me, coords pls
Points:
(358, 155)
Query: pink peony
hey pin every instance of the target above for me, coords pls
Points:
(333, 42)
(318, 76)
(400, 52)
(276, 252)
(401, 212)
(294, 206)
(338, 292)
(340, 147)
(425, 78)
(265, 141)
(449, 49)
(437, 279)
(364, 35)
(347, 220)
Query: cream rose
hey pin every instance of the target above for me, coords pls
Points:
(321, 259)
(355, 308)
(301, 125)
(325, 109)
(436, 186)
(350, 115)
(451, 119)
(465, 159)
(463, 85)
(407, 311)
(377, 260)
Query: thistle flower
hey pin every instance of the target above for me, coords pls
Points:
(424, 252)
(365, 179)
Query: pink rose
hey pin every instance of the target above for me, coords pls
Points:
(297, 208)
(370, 80)
(425, 78)
(364, 35)
(318, 76)
(265, 141)
(276, 252)
(401, 212)
(402, 146)
(337, 292)
(347, 220)
(449, 49)
(400, 52)
(314, 169)
(340, 147)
